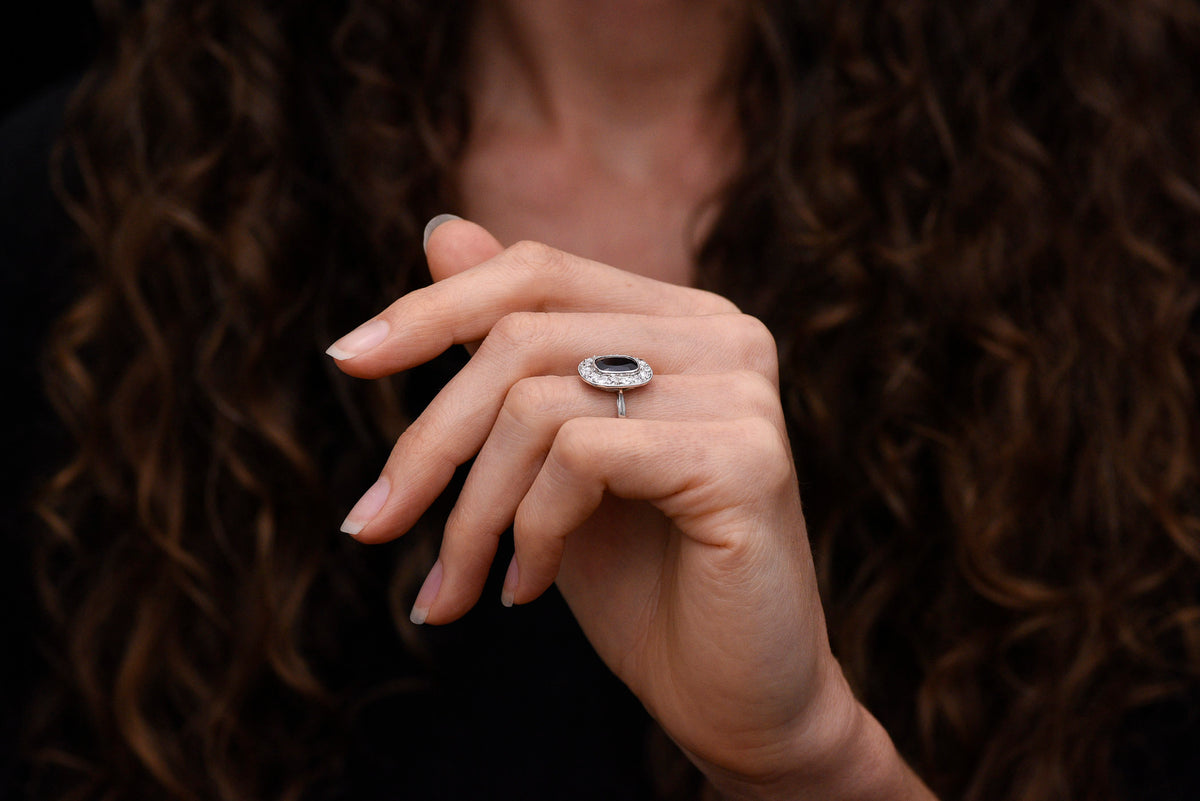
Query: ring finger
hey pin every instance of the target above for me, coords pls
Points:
(526, 426)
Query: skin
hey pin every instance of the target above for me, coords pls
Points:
(675, 535)
(602, 128)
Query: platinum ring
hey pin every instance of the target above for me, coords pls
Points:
(615, 373)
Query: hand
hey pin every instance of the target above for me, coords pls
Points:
(675, 535)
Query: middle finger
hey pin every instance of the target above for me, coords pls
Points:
(456, 423)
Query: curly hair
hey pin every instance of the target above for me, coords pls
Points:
(973, 227)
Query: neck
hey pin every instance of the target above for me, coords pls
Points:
(602, 127)
(576, 66)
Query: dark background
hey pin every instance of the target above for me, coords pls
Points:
(47, 41)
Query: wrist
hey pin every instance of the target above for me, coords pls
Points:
(840, 752)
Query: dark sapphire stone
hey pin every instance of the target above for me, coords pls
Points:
(616, 364)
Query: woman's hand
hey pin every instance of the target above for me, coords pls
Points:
(675, 535)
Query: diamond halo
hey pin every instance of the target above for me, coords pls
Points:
(615, 372)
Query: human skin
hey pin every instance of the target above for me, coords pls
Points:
(602, 128)
(675, 535)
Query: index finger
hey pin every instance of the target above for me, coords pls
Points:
(528, 276)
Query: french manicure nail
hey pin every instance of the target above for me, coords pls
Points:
(367, 507)
(511, 579)
(434, 223)
(427, 595)
(360, 340)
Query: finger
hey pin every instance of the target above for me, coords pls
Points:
(455, 424)
(717, 481)
(533, 411)
(453, 244)
(463, 307)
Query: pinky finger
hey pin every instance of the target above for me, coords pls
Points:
(713, 479)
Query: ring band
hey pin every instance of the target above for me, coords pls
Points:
(615, 373)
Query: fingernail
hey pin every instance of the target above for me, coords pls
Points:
(427, 595)
(367, 507)
(360, 340)
(434, 223)
(511, 578)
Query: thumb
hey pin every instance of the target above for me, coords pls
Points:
(453, 244)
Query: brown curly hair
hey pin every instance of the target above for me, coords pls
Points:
(973, 227)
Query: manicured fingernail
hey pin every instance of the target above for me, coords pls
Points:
(434, 223)
(367, 507)
(427, 595)
(511, 578)
(360, 340)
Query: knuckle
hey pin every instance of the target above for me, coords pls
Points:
(536, 257)
(758, 345)
(530, 529)
(712, 303)
(545, 270)
(533, 397)
(456, 521)
(518, 330)
(755, 334)
(526, 523)
(765, 450)
(754, 393)
(572, 445)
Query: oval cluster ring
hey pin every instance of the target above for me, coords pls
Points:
(616, 373)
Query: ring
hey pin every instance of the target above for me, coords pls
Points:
(615, 373)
